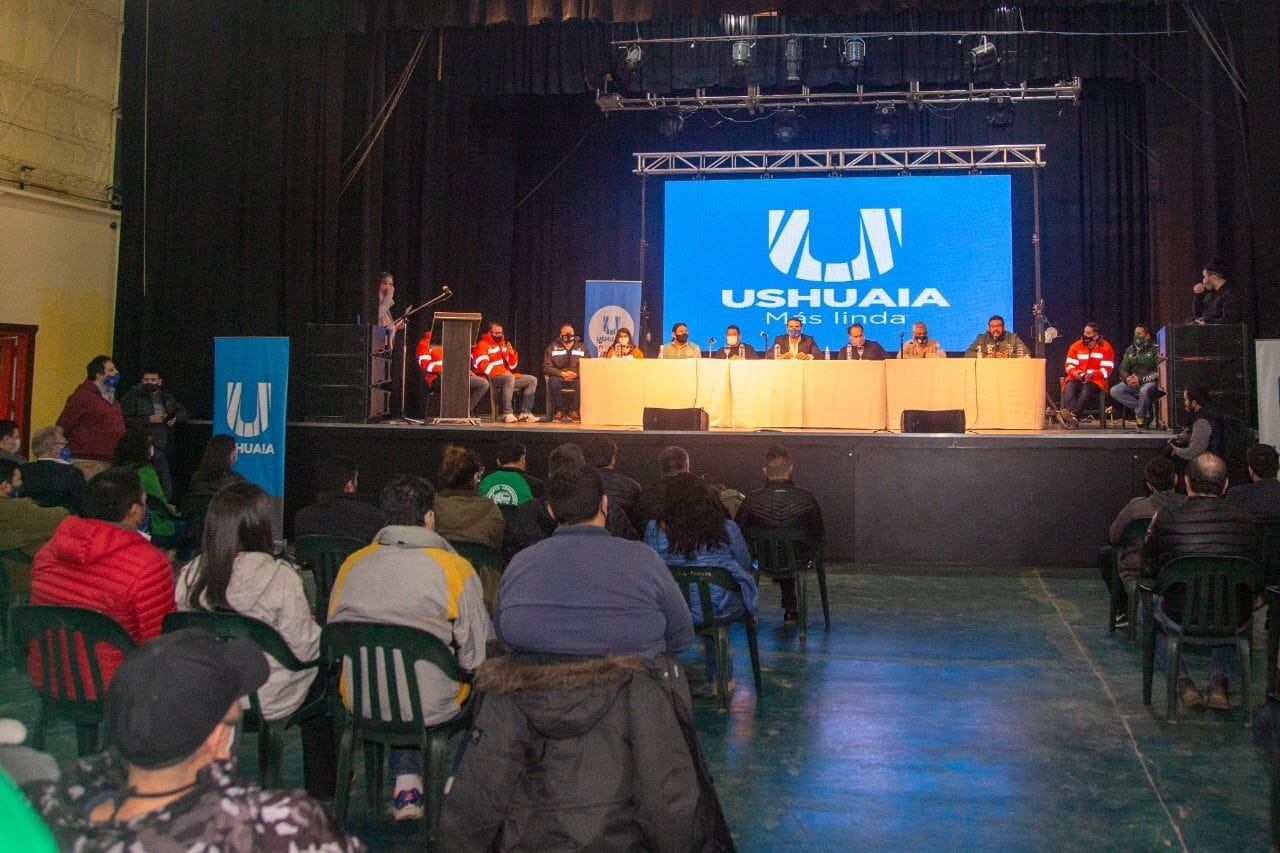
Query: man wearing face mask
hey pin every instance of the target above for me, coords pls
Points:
(795, 344)
(494, 358)
(680, 345)
(92, 419)
(1090, 362)
(997, 343)
(560, 367)
(859, 348)
(24, 525)
(1139, 375)
(170, 780)
(920, 345)
(734, 348)
(11, 442)
(148, 406)
(52, 480)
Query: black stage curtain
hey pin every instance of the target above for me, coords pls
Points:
(513, 188)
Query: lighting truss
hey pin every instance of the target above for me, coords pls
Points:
(756, 100)
(955, 158)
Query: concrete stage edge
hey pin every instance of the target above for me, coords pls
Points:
(997, 499)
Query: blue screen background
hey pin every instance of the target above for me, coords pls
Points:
(955, 236)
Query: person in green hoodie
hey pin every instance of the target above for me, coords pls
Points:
(1139, 375)
(511, 484)
(134, 451)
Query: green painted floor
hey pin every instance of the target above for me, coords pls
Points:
(960, 712)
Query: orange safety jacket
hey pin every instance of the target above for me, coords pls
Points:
(1098, 362)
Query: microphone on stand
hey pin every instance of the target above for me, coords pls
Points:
(902, 343)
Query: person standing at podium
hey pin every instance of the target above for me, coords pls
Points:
(387, 299)
(734, 348)
(1215, 301)
(859, 348)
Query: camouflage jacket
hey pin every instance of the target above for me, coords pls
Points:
(222, 812)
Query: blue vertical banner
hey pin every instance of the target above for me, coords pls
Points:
(611, 305)
(250, 403)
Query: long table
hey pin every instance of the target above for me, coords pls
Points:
(863, 395)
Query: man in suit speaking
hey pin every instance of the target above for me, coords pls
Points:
(794, 344)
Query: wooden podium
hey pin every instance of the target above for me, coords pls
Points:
(456, 333)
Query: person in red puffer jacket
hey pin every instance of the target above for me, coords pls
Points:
(101, 562)
(92, 419)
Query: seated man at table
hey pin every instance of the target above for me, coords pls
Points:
(795, 343)
(680, 346)
(920, 345)
(995, 342)
(733, 347)
(859, 348)
(560, 366)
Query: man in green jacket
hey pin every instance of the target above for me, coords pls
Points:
(1139, 375)
(24, 526)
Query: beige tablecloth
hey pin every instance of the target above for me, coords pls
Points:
(930, 384)
(844, 394)
(1010, 393)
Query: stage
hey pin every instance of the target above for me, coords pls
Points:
(988, 499)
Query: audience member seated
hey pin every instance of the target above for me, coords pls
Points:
(411, 576)
(1205, 525)
(134, 451)
(169, 782)
(148, 406)
(1261, 496)
(339, 510)
(104, 563)
(92, 419)
(601, 453)
(623, 346)
(215, 468)
(52, 480)
(1203, 432)
(462, 513)
(781, 503)
(24, 525)
(693, 532)
(532, 522)
(511, 484)
(671, 461)
(11, 442)
(1162, 483)
(237, 570)
(589, 737)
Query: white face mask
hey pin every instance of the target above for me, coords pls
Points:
(731, 340)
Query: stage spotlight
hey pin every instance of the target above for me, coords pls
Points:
(634, 56)
(671, 124)
(883, 127)
(786, 124)
(1000, 115)
(741, 53)
(984, 55)
(793, 54)
(853, 52)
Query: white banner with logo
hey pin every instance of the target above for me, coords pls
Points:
(250, 402)
(1267, 354)
(611, 305)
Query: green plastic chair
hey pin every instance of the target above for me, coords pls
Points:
(367, 651)
(194, 508)
(1273, 639)
(700, 580)
(780, 554)
(479, 555)
(11, 557)
(1210, 616)
(1132, 536)
(271, 733)
(1268, 552)
(324, 556)
(55, 630)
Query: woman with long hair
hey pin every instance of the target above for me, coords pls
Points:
(134, 450)
(462, 513)
(215, 467)
(237, 572)
(623, 346)
(694, 532)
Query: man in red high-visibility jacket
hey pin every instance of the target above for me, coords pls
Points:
(1090, 362)
(431, 361)
(494, 358)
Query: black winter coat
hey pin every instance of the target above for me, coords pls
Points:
(597, 754)
(137, 408)
(1202, 526)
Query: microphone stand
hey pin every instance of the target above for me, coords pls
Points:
(711, 345)
(403, 323)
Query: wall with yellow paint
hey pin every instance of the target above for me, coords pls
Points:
(58, 272)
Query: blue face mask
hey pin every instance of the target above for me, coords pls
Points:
(65, 453)
(112, 381)
(16, 493)
(793, 333)
(145, 526)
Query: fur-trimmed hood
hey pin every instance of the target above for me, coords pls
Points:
(560, 699)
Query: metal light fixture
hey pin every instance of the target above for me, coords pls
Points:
(1000, 115)
(984, 55)
(671, 123)
(793, 54)
(853, 52)
(883, 127)
(786, 124)
(741, 53)
(634, 56)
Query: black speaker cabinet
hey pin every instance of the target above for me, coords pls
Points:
(346, 372)
(921, 420)
(1215, 356)
(691, 420)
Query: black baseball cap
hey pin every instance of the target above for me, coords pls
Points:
(171, 692)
